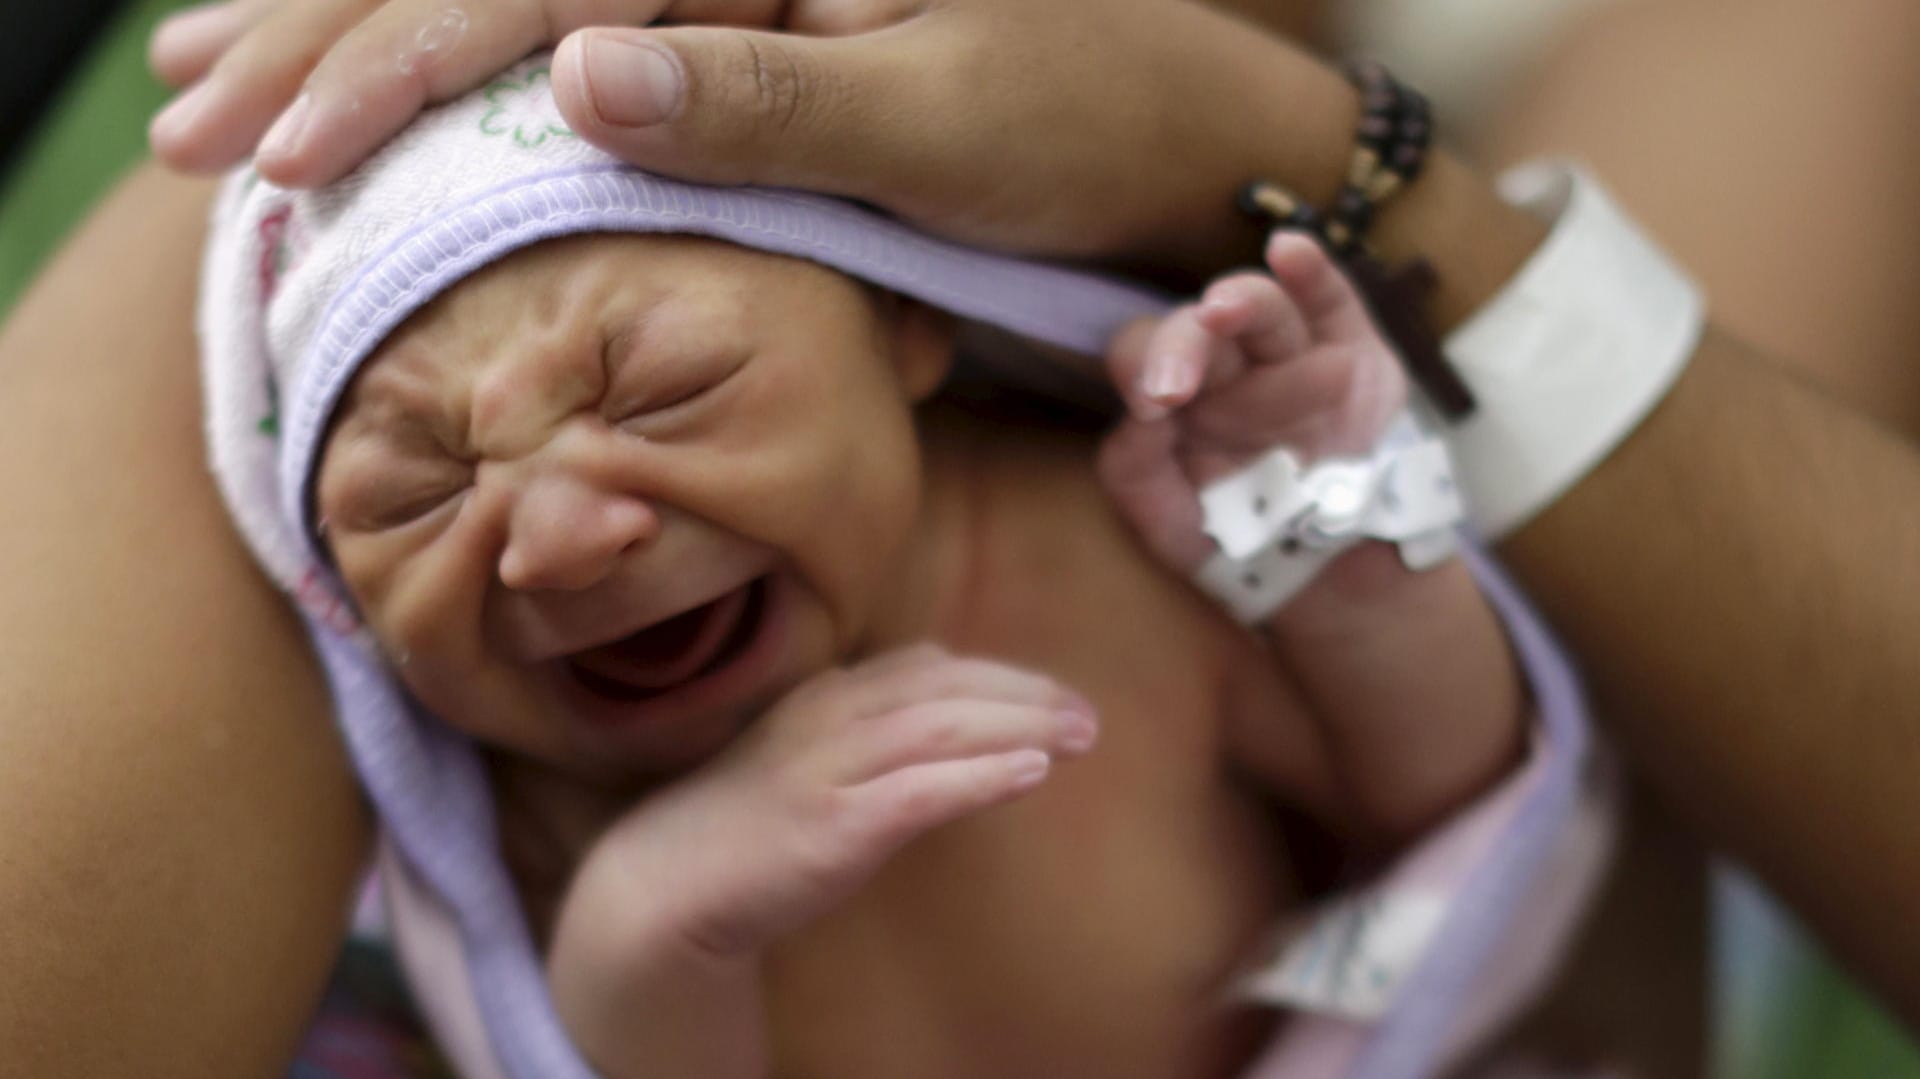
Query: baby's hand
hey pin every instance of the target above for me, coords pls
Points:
(1407, 674)
(1259, 361)
(798, 815)
(654, 960)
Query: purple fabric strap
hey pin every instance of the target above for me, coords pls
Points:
(1412, 1035)
(427, 783)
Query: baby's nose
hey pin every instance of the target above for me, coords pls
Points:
(566, 534)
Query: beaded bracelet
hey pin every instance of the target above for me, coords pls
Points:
(1390, 148)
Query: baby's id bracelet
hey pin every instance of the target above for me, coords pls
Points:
(1277, 522)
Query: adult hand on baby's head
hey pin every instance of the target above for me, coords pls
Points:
(316, 85)
(1072, 127)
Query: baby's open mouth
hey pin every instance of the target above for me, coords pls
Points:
(678, 650)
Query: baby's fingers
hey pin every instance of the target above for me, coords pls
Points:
(928, 674)
(961, 730)
(1331, 306)
(1295, 404)
(896, 807)
(1140, 466)
(1126, 360)
(1257, 315)
(1158, 367)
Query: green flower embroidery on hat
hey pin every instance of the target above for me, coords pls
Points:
(269, 424)
(523, 110)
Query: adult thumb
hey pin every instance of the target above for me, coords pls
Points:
(732, 105)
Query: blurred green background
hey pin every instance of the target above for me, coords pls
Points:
(88, 132)
(1783, 1010)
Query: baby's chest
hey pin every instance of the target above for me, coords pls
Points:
(1084, 931)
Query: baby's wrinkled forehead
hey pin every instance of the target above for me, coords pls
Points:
(551, 322)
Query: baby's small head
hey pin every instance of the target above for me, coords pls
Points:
(605, 498)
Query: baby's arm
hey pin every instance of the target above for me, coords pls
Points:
(656, 951)
(1408, 672)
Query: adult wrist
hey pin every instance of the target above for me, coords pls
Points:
(1290, 117)
(1267, 109)
(1574, 352)
(1475, 240)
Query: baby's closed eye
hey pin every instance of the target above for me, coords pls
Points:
(379, 492)
(648, 377)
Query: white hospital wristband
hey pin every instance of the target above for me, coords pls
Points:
(1279, 522)
(1571, 355)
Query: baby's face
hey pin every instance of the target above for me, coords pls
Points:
(605, 500)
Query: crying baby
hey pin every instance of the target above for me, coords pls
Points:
(837, 728)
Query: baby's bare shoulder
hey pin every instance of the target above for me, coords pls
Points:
(1051, 537)
(1073, 591)
(1060, 582)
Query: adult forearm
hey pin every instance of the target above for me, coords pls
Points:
(1281, 115)
(1741, 580)
(179, 830)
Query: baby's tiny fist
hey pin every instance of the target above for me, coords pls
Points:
(1253, 312)
(1257, 362)
(1349, 373)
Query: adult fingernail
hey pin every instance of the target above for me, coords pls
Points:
(283, 138)
(181, 113)
(629, 83)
